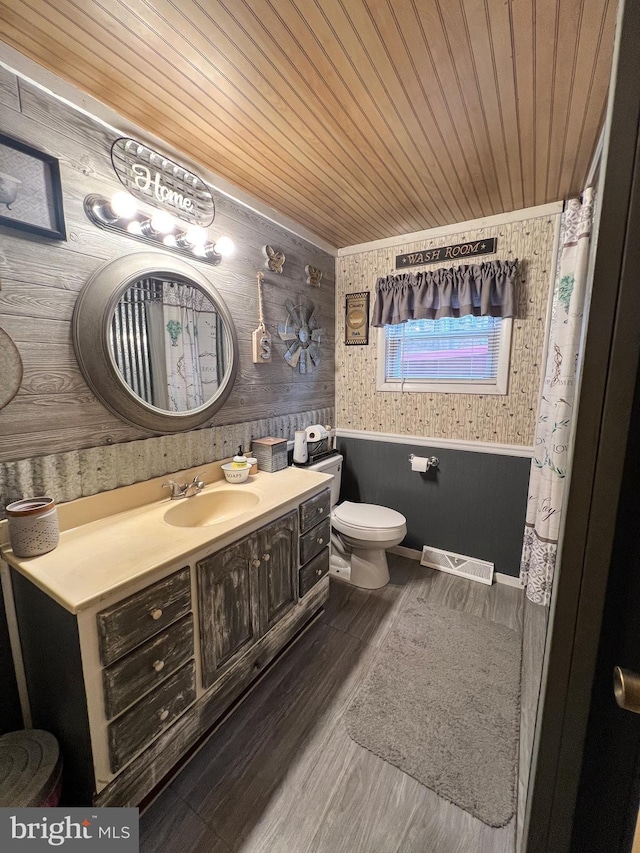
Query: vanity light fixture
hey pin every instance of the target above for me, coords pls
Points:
(163, 222)
(196, 235)
(224, 246)
(121, 205)
(120, 213)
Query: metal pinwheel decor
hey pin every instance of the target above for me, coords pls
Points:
(302, 333)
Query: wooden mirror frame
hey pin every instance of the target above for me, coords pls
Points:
(91, 325)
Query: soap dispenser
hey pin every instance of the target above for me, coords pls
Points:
(240, 460)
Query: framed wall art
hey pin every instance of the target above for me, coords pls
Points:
(356, 319)
(30, 190)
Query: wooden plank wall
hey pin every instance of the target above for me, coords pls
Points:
(54, 410)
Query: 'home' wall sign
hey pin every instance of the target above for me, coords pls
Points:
(159, 181)
(447, 253)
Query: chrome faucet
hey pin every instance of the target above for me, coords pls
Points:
(185, 490)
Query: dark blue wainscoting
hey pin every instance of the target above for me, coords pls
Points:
(473, 504)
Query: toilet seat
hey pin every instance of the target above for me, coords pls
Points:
(368, 522)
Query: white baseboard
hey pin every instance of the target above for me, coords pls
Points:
(508, 580)
(522, 450)
(414, 554)
(411, 553)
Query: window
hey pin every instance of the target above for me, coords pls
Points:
(463, 355)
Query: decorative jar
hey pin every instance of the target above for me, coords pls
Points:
(33, 526)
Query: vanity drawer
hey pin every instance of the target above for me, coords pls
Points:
(141, 723)
(133, 675)
(313, 571)
(137, 618)
(315, 510)
(314, 541)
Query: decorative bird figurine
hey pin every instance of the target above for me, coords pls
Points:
(275, 260)
(313, 275)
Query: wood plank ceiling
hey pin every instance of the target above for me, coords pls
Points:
(359, 119)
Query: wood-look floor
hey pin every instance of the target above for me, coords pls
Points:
(283, 776)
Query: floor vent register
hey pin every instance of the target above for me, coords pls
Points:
(457, 564)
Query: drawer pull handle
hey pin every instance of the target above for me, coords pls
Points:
(158, 665)
(164, 714)
(321, 510)
(156, 614)
(318, 572)
(320, 540)
(255, 563)
(266, 557)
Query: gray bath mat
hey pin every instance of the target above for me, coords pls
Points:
(442, 703)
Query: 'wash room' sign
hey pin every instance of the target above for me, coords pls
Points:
(447, 253)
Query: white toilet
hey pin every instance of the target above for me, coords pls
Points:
(360, 534)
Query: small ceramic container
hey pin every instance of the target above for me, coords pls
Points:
(235, 475)
(33, 526)
(254, 465)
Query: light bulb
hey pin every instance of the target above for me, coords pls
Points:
(123, 205)
(162, 222)
(199, 250)
(224, 246)
(196, 235)
(170, 240)
(134, 227)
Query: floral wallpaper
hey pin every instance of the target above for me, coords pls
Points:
(502, 419)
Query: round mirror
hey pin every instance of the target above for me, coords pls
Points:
(155, 342)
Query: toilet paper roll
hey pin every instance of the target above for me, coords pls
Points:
(420, 463)
(316, 432)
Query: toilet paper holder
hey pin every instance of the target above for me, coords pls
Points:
(423, 463)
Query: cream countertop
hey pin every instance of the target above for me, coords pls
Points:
(110, 540)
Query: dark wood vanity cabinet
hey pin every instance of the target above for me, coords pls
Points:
(243, 591)
(128, 684)
(315, 537)
(146, 643)
(277, 547)
(128, 623)
(228, 605)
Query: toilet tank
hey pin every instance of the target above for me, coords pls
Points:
(331, 465)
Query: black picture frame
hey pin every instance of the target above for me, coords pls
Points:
(30, 188)
(356, 319)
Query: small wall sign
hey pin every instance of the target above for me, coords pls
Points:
(159, 181)
(447, 253)
(356, 319)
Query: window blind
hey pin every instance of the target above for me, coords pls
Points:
(463, 349)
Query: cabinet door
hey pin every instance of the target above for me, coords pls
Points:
(228, 598)
(277, 545)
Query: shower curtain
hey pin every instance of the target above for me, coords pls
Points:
(191, 346)
(555, 416)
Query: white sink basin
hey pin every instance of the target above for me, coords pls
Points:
(210, 508)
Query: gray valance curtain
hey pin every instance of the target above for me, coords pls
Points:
(479, 289)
